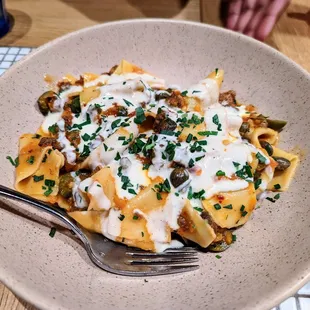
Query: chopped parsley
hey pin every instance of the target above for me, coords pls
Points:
(167, 132)
(142, 233)
(242, 208)
(115, 123)
(86, 151)
(191, 163)
(244, 213)
(184, 93)
(52, 232)
(216, 71)
(216, 121)
(198, 209)
(199, 195)
(86, 137)
(132, 191)
(228, 207)
(146, 166)
(48, 192)
(105, 147)
(30, 160)
(118, 156)
(217, 206)
(220, 173)
(245, 172)
(38, 178)
(135, 217)
(53, 129)
(44, 158)
(36, 136)
(158, 196)
(190, 193)
(80, 126)
(196, 91)
(49, 183)
(207, 133)
(128, 103)
(15, 162)
(218, 256)
(121, 217)
(261, 158)
(277, 186)
(257, 183)
(276, 197)
(140, 117)
(234, 238)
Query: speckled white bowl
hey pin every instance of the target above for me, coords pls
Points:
(271, 258)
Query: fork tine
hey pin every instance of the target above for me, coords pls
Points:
(148, 255)
(162, 261)
(181, 251)
(158, 270)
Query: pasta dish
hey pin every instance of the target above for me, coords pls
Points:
(150, 165)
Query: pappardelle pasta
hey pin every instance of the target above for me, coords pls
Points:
(141, 162)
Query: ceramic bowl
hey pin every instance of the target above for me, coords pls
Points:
(271, 258)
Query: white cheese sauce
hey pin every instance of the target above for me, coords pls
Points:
(217, 160)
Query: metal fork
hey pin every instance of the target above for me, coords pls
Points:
(115, 257)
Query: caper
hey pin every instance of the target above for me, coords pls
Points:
(162, 95)
(275, 124)
(218, 246)
(76, 105)
(122, 111)
(244, 128)
(283, 163)
(267, 146)
(45, 102)
(65, 185)
(178, 176)
(169, 124)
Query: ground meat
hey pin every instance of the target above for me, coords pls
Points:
(63, 85)
(222, 234)
(162, 122)
(80, 81)
(112, 70)
(176, 99)
(185, 223)
(46, 141)
(229, 97)
(67, 116)
(116, 111)
(74, 137)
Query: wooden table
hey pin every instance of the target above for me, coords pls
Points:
(37, 22)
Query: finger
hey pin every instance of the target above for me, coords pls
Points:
(247, 13)
(261, 7)
(234, 11)
(271, 17)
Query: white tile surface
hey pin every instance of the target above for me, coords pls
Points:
(305, 290)
(18, 57)
(14, 50)
(5, 64)
(289, 304)
(24, 51)
(3, 50)
(304, 303)
(9, 57)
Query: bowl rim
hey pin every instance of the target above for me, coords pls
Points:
(40, 301)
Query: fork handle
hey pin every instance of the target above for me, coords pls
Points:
(56, 212)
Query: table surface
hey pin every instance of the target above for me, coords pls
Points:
(37, 22)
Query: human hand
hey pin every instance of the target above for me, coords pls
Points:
(254, 18)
